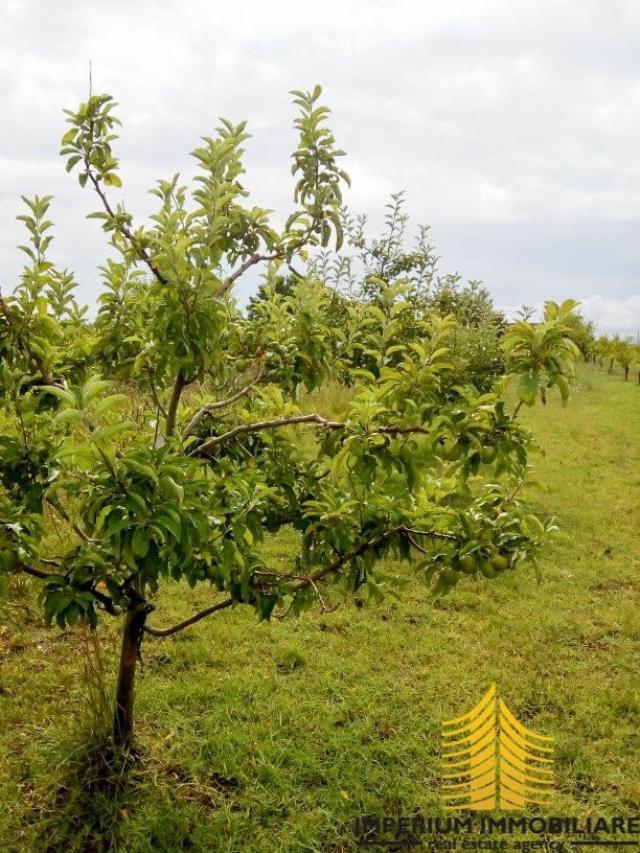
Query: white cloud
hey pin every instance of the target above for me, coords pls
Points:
(514, 127)
(611, 316)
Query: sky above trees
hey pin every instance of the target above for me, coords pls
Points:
(513, 127)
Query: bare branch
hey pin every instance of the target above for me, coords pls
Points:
(417, 545)
(167, 632)
(34, 572)
(288, 577)
(262, 425)
(65, 516)
(315, 419)
(251, 261)
(305, 581)
(124, 229)
(221, 404)
(155, 395)
(432, 534)
(346, 558)
(257, 258)
(178, 388)
(106, 602)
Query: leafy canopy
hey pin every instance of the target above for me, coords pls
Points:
(204, 438)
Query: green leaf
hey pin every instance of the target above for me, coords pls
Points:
(65, 396)
(109, 403)
(563, 385)
(140, 542)
(112, 180)
(69, 416)
(528, 388)
(112, 431)
(92, 388)
(164, 520)
(174, 488)
(140, 468)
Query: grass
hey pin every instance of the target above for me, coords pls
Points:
(276, 736)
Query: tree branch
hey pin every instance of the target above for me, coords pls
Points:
(65, 516)
(178, 388)
(111, 608)
(262, 425)
(123, 228)
(316, 419)
(305, 582)
(221, 404)
(34, 572)
(432, 534)
(302, 584)
(155, 396)
(309, 580)
(167, 632)
(254, 258)
(417, 545)
(105, 600)
(346, 558)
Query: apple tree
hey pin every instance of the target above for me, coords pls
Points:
(172, 434)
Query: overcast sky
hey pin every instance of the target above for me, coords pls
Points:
(514, 127)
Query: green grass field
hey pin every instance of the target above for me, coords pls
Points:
(275, 736)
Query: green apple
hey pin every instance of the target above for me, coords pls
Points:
(468, 565)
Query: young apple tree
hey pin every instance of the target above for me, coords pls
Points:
(200, 443)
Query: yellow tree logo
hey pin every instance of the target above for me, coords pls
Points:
(492, 761)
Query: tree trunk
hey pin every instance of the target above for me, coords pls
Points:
(134, 620)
